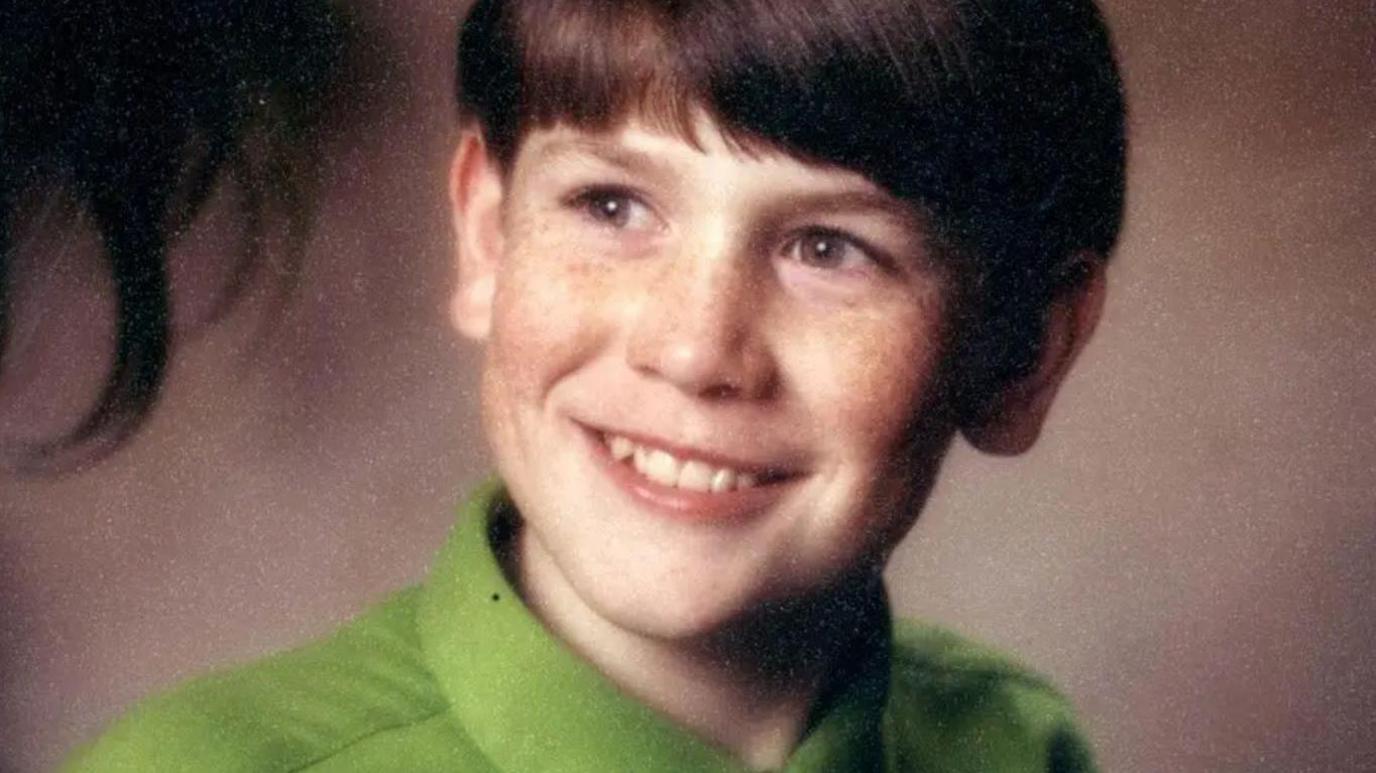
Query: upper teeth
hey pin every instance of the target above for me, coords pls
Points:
(666, 469)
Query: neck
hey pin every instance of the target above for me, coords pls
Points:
(749, 688)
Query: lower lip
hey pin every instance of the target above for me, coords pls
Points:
(685, 504)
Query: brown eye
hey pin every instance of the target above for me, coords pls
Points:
(610, 208)
(613, 207)
(823, 251)
(828, 250)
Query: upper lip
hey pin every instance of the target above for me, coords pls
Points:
(758, 464)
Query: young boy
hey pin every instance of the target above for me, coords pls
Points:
(743, 270)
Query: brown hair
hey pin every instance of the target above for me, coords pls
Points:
(1003, 120)
(138, 116)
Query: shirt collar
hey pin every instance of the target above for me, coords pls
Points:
(532, 705)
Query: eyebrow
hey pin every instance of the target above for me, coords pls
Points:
(900, 212)
(614, 154)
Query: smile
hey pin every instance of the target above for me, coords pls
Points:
(666, 469)
(687, 483)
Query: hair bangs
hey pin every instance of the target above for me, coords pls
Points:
(821, 81)
(589, 65)
(798, 78)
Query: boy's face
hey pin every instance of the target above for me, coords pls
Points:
(762, 336)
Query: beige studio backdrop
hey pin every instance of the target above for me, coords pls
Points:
(1188, 550)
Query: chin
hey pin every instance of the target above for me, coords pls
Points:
(655, 609)
(670, 622)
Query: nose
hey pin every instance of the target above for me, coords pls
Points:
(699, 327)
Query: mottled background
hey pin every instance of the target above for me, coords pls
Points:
(1188, 551)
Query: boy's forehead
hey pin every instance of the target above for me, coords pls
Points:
(628, 140)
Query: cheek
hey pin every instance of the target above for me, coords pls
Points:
(551, 313)
(875, 400)
(872, 377)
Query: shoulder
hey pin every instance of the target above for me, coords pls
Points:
(284, 713)
(957, 705)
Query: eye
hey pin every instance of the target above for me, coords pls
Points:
(829, 250)
(614, 207)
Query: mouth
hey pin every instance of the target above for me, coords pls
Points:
(676, 469)
(686, 482)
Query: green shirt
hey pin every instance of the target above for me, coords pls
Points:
(456, 675)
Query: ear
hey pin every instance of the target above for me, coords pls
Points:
(475, 196)
(1015, 415)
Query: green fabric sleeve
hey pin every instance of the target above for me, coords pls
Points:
(282, 714)
(963, 708)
